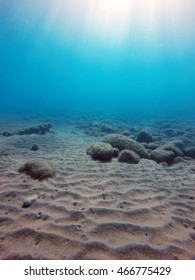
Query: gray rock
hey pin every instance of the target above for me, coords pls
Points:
(122, 142)
(34, 147)
(38, 129)
(178, 143)
(128, 156)
(126, 133)
(116, 152)
(170, 146)
(170, 132)
(160, 155)
(105, 128)
(29, 200)
(190, 152)
(138, 149)
(144, 136)
(178, 160)
(101, 151)
(151, 146)
(38, 169)
(118, 141)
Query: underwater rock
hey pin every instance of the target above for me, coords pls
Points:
(144, 136)
(101, 151)
(134, 129)
(92, 133)
(116, 152)
(170, 132)
(6, 133)
(34, 147)
(106, 128)
(29, 200)
(178, 160)
(128, 156)
(121, 142)
(192, 168)
(98, 129)
(126, 133)
(151, 146)
(165, 125)
(118, 141)
(38, 129)
(178, 143)
(188, 140)
(157, 138)
(190, 152)
(159, 155)
(171, 146)
(138, 149)
(180, 132)
(38, 169)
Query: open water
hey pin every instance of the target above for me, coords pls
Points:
(123, 58)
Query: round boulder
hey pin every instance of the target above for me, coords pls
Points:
(138, 148)
(151, 146)
(34, 147)
(118, 141)
(190, 152)
(122, 142)
(38, 169)
(144, 136)
(171, 146)
(126, 133)
(101, 151)
(170, 132)
(160, 155)
(106, 128)
(128, 156)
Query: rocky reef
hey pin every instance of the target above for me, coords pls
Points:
(37, 129)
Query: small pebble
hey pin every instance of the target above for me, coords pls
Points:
(34, 147)
(29, 200)
(39, 215)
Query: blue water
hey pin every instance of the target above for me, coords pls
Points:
(58, 57)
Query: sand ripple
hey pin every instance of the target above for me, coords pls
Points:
(94, 210)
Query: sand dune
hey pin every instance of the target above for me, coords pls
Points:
(91, 209)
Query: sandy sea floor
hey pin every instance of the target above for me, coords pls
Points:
(92, 209)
